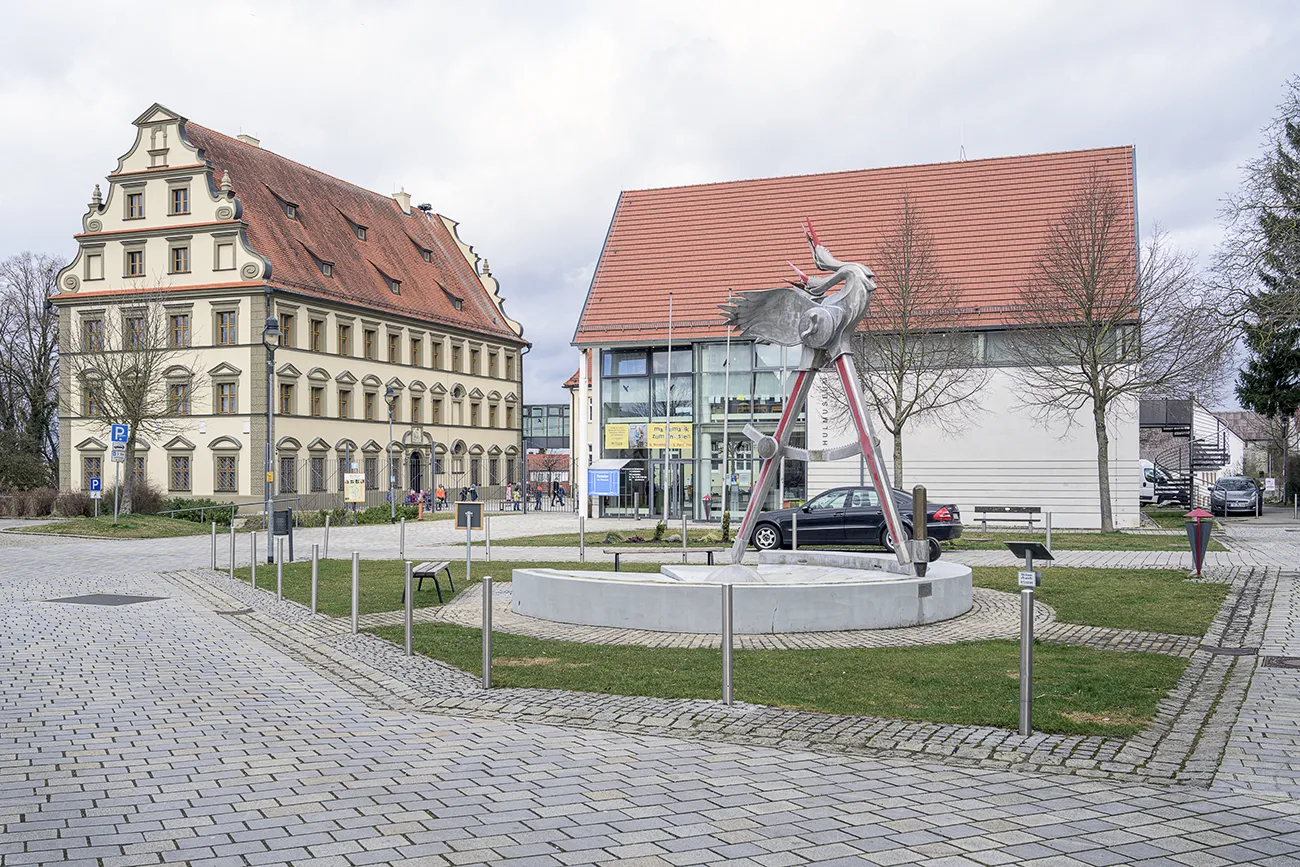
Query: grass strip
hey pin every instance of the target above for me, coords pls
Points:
(127, 527)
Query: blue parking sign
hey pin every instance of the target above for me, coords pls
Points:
(118, 433)
(96, 485)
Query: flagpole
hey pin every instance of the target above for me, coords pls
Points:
(668, 405)
(726, 417)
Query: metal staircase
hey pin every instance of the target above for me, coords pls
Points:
(1186, 455)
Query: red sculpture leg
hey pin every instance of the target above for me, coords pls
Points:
(875, 461)
(767, 475)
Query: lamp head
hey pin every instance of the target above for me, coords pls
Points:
(271, 333)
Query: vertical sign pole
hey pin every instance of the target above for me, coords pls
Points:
(279, 570)
(356, 588)
(401, 540)
(727, 614)
(487, 631)
(117, 484)
(467, 549)
(487, 536)
(410, 605)
(1027, 653)
(326, 553)
(1047, 519)
(794, 530)
(214, 546)
(252, 558)
(232, 550)
(582, 537)
(315, 576)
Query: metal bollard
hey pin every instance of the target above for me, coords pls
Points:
(794, 531)
(279, 568)
(214, 546)
(252, 562)
(487, 536)
(1026, 660)
(356, 588)
(487, 631)
(315, 576)
(401, 540)
(684, 534)
(636, 505)
(325, 552)
(232, 550)
(1047, 524)
(727, 614)
(410, 604)
(582, 538)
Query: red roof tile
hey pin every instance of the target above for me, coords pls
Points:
(262, 180)
(988, 219)
(572, 381)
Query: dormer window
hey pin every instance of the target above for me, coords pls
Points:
(360, 232)
(327, 268)
(394, 286)
(425, 253)
(291, 211)
(456, 303)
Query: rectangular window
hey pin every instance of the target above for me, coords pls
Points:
(345, 340)
(492, 416)
(317, 329)
(394, 286)
(416, 408)
(494, 471)
(369, 404)
(372, 474)
(289, 475)
(226, 403)
(286, 398)
(180, 329)
(180, 200)
(345, 403)
(435, 354)
(135, 333)
(94, 266)
(473, 361)
(227, 334)
(455, 358)
(291, 211)
(437, 411)
(227, 478)
(475, 465)
(317, 474)
(510, 416)
(135, 206)
(141, 469)
(91, 468)
(317, 398)
(180, 260)
(92, 401)
(416, 346)
(135, 263)
(510, 367)
(394, 350)
(225, 257)
(92, 335)
(360, 232)
(327, 269)
(473, 415)
(286, 330)
(180, 473)
(492, 364)
(368, 343)
(178, 398)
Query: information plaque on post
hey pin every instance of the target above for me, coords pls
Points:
(469, 515)
(1028, 578)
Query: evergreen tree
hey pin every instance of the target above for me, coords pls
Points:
(1269, 384)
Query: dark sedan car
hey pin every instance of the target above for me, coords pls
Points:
(1234, 494)
(848, 516)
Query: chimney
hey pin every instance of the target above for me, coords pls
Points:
(249, 140)
(403, 200)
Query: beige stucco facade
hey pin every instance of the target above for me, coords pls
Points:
(456, 392)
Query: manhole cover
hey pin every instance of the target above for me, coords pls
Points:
(105, 599)
(1229, 651)
(1282, 662)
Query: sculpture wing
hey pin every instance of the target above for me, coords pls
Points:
(771, 315)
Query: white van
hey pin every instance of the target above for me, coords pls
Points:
(1152, 477)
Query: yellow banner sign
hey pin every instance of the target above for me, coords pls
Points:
(679, 435)
(616, 436)
(657, 435)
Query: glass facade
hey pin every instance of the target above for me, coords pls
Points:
(546, 426)
(674, 443)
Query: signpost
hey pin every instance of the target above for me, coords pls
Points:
(118, 434)
(96, 492)
(1028, 578)
(469, 517)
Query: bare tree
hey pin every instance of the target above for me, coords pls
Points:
(1100, 328)
(129, 366)
(29, 367)
(914, 362)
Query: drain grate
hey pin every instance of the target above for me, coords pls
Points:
(111, 599)
(1228, 651)
(1282, 662)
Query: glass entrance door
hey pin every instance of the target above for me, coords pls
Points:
(680, 483)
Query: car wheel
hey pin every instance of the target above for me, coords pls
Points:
(767, 537)
(887, 542)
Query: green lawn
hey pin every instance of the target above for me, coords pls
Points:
(127, 527)
(1149, 600)
(381, 581)
(1170, 519)
(1076, 690)
(617, 538)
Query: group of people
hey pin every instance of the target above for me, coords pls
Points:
(436, 499)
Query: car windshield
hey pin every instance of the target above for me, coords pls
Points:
(1237, 484)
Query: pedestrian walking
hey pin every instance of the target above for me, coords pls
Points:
(557, 493)
(537, 502)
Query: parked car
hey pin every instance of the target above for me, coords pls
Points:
(849, 516)
(1234, 494)
(1157, 486)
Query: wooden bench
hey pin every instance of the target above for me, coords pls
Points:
(646, 549)
(431, 570)
(1028, 515)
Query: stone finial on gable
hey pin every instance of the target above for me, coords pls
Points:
(97, 198)
(487, 270)
(225, 181)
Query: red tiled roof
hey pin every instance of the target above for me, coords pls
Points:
(325, 204)
(988, 219)
(572, 381)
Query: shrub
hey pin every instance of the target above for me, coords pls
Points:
(660, 529)
(74, 504)
(31, 503)
(200, 510)
(726, 526)
(613, 537)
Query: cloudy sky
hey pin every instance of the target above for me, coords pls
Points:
(524, 120)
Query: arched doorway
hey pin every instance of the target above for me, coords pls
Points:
(416, 473)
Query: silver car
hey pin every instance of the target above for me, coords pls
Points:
(1234, 494)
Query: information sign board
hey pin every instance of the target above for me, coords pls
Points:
(354, 487)
(1027, 578)
(469, 515)
(1270, 485)
(602, 483)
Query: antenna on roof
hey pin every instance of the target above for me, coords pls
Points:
(961, 149)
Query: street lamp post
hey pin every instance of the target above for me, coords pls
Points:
(390, 398)
(271, 340)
